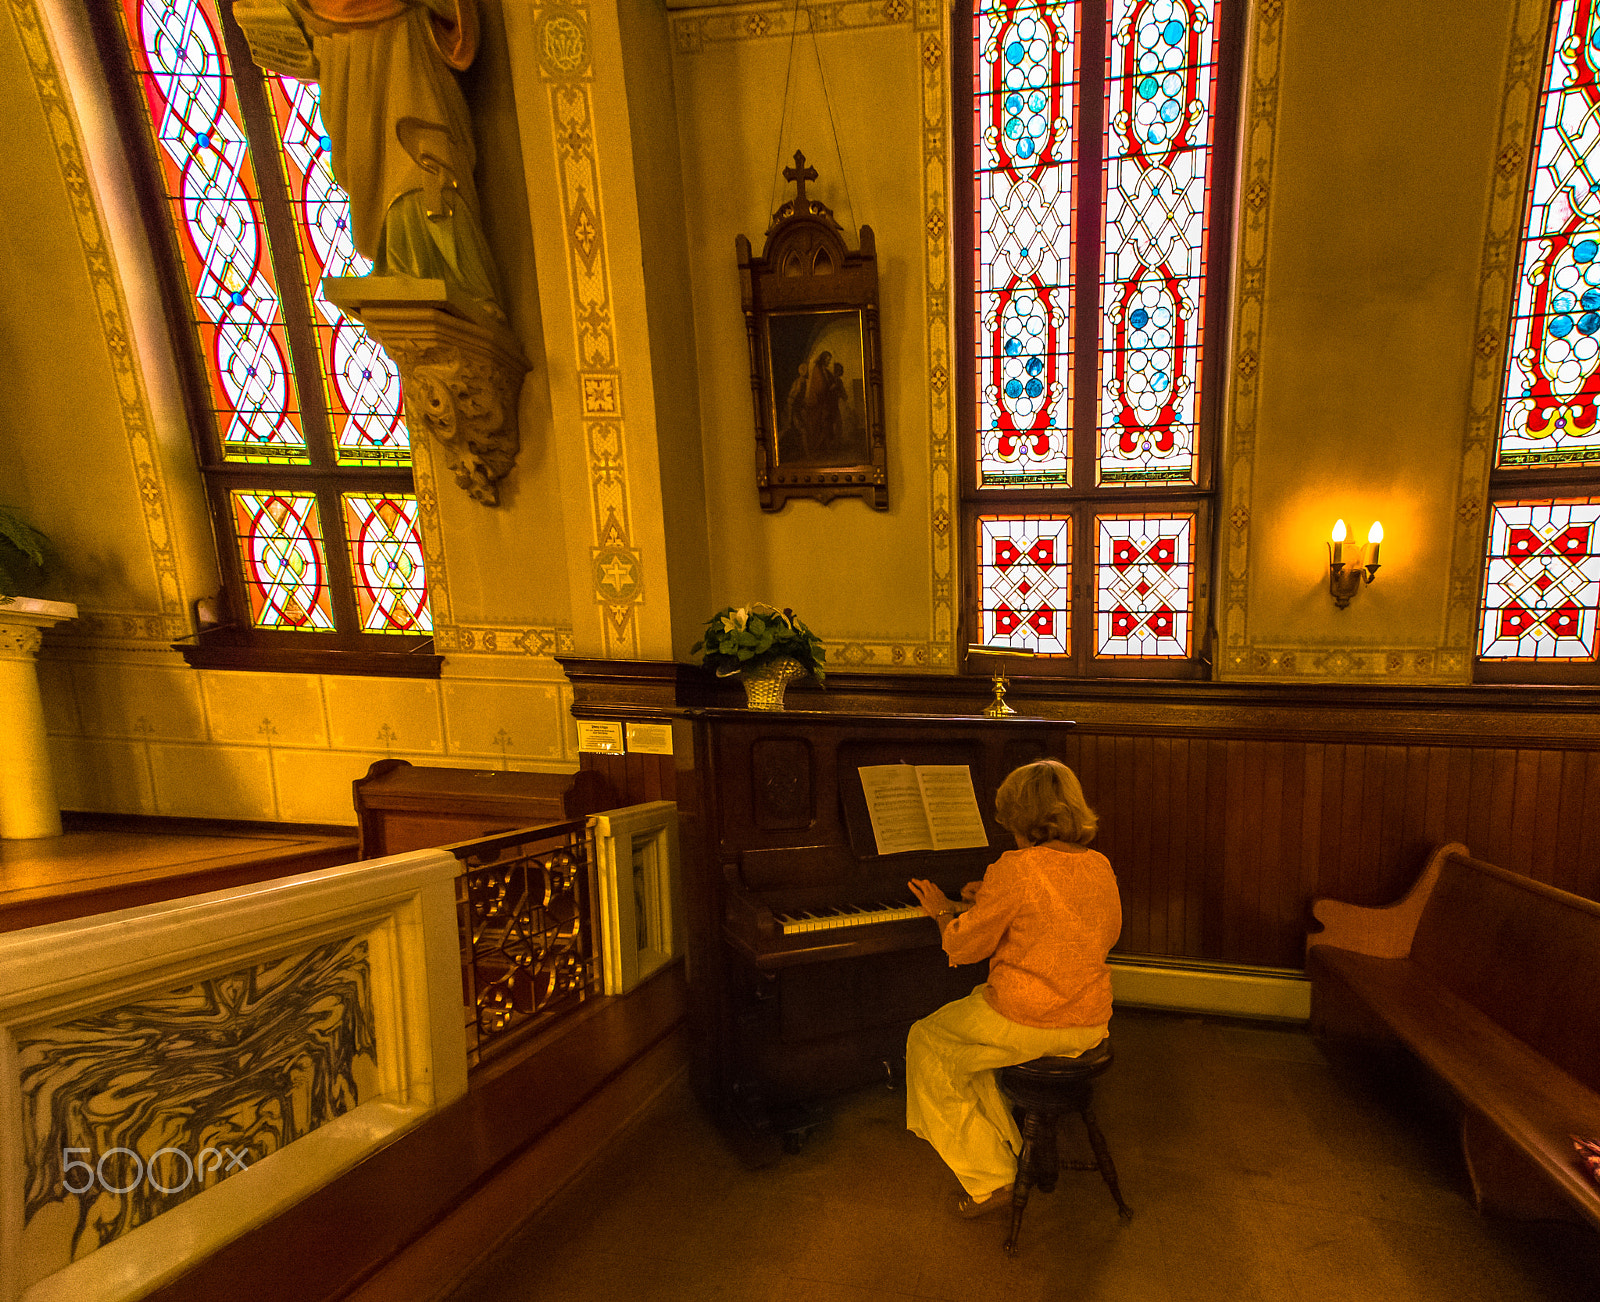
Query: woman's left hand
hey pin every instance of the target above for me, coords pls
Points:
(933, 900)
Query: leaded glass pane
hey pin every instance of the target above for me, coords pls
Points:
(1160, 87)
(1025, 162)
(182, 68)
(1024, 578)
(1144, 585)
(284, 559)
(386, 558)
(1553, 374)
(1542, 586)
(364, 398)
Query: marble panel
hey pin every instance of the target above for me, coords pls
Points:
(213, 781)
(133, 1110)
(144, 701)
(265, 709)
(102, 776)
(524, 720)
(391, 715)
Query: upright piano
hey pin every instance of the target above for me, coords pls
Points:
(808, 957)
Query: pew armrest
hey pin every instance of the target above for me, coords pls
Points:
(1385, 930)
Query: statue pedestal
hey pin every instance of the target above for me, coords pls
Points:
(461, 372)
(28, 805)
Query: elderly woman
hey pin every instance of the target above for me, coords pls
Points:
(1045, 915)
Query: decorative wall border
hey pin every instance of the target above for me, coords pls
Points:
(1450, 661)
(929, 22)
(1496, 292)
(100, 265)
(562, 45)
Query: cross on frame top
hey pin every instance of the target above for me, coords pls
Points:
(800, 174)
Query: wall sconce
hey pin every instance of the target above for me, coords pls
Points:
(1345, 576)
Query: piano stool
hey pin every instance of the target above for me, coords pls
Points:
(1042, 1090)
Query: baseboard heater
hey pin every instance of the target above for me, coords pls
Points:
(1226, 989)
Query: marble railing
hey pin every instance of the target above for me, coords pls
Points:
(175, 1074)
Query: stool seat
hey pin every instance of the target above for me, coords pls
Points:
(1042, 1090)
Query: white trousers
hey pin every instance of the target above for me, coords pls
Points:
(953, 1097)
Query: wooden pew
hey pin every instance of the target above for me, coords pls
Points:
(1493, 981)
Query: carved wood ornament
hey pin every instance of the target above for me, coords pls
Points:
(811, 320)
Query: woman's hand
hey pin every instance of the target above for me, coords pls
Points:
(933, 900)
(969, 892)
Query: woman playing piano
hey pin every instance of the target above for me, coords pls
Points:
(1045, 915)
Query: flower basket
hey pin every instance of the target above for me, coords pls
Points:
(766, 647)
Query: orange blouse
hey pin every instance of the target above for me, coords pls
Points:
(1045, 919)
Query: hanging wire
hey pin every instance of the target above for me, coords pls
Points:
(827, 99)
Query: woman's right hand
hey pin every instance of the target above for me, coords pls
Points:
(969, 892)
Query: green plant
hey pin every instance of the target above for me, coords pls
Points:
(22, 553)
(747, 637)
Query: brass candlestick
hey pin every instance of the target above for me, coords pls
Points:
(997, 708)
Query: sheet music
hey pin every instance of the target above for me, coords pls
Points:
(951, 806)
(894, 800)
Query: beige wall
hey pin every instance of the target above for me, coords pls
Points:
(614, 185)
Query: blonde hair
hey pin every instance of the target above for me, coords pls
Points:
(1043, 801)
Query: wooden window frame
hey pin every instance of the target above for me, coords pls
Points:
(1083, 500)
(232, 642)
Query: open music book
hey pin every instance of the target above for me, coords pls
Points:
(922, 807)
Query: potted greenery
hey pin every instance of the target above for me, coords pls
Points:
(22, 553)
(768, 648)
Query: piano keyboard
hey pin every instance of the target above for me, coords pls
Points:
(851, 916)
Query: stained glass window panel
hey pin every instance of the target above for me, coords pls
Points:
(182, 68)
(1026, 55)
(386, 557)
(1024, 577)
(364, 397)
(1144, 585)
(1553, 373)
(1542, 586)
(1160, 90)
(284, 559)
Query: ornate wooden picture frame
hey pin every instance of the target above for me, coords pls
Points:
(816, 376)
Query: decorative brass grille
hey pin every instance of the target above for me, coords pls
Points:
(525, 907)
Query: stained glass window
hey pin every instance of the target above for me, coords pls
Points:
(309, 427)
(1144, 585)
(386, 556)
(285, 560)
(1541, 584)
(1024, 573)
(1098, 183)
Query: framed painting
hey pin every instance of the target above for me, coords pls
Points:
(811, 317)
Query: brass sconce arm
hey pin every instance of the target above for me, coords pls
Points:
(997, 708)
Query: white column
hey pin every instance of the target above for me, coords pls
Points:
(28, 805)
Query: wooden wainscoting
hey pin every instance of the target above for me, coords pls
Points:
(1226, 808)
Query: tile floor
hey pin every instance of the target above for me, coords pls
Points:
(1258, 1170)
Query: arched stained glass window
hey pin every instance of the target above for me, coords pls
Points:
(301, 429)
(1101, 137)
(1541, 588)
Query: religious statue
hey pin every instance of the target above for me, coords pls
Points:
(400, 136)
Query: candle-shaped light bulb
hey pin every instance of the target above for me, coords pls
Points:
(1338, 542)
(1374, 537)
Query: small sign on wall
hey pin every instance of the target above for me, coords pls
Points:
(650, 738)
(601, 736)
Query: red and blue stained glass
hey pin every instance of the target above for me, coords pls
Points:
(1024, 171)
(1024, 578)
(1542, 585)
(1160, 88)
(284, 560)
(386, 556)
(1553, 373)
(365, 403)
(179, 60)
(1144, 585)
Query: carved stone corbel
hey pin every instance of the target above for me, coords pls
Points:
(461, 379)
